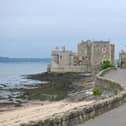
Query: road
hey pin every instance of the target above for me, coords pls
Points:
(115, 117)
(118, 75)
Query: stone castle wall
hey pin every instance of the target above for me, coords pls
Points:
(95, 52)
(63, 69)
(122, 59)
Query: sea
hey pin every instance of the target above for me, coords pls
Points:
(12, 75)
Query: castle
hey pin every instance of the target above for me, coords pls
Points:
(122, 59)
(88, 57)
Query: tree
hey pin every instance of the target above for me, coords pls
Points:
(106, 64)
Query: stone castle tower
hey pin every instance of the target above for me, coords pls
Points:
(94, 52)
(88, 57)
(122, 59)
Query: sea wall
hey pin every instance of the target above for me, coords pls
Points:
(107, 84)
(82, 113)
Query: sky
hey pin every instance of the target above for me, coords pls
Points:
(32, 28)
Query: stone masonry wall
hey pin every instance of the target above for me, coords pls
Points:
(107, 84)
(84, 113)
(63, 69)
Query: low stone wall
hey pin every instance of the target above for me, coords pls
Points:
(107, 84)
(72, 68)
(84, 113)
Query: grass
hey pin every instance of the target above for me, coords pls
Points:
(96, 92)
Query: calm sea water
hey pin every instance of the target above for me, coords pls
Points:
(11, 77)
(11, 73)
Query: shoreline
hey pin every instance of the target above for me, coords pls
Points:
(54, 89)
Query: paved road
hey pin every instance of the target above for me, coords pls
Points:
(115, 117)
(118, 75)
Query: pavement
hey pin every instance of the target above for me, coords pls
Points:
(118, 75)
(115, 117)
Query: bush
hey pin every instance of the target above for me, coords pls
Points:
(96, 91)
(106, 64)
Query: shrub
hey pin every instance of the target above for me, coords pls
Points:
(96, 91)
(106, 64)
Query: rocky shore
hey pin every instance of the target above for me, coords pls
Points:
(60, 85)
(51, 87)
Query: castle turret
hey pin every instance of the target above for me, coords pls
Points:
(55, 56)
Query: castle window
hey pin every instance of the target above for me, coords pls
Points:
(104, 50)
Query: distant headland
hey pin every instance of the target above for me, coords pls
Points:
(7, 59)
